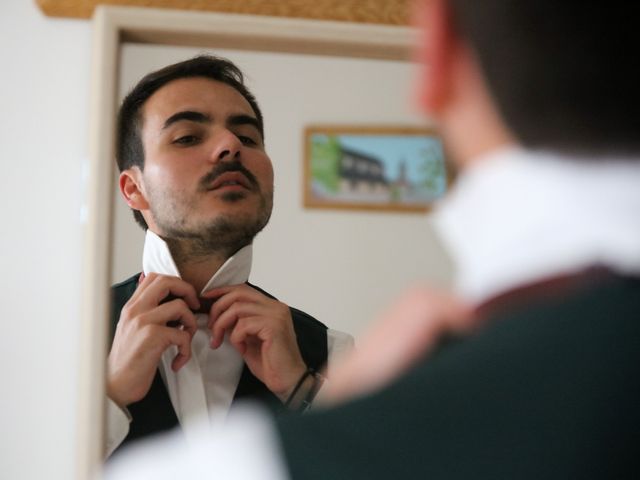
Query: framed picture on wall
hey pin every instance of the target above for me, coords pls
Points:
(374, 168)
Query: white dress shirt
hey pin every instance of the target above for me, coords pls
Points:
(515, 217)
(202, 391)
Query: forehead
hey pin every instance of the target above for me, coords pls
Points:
(200, 94)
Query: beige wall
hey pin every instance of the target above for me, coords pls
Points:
(340, 266)
(44, 86)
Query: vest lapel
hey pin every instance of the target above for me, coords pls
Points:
(250, 387)
(154, 413)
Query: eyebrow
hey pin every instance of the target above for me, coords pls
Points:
(199, 117)
(243, 119)
(186, 115)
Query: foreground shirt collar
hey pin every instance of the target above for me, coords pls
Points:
(517, 216)
(156, 258)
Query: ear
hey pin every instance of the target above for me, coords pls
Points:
(435, 54)
(130, 183)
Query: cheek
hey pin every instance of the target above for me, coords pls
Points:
(263, 170)
(173, 174)
(269, 174)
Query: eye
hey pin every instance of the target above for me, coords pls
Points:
(186, 140)
(248, 141)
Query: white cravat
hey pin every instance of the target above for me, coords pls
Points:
(517, 216)
(205, 386)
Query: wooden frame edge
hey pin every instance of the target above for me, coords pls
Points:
(359, 11)
(97, 251)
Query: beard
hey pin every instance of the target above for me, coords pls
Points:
(226, 233)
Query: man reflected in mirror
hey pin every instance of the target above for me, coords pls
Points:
(190, 334)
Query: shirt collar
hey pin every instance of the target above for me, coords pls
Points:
(517, 216)
(156, 258)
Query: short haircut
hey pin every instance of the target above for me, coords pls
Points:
(563, 74)
(129, 148)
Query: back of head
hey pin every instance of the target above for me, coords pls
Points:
(562, 73)
(129, 147)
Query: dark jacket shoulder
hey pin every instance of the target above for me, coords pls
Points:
(550, 390)
(120, 294)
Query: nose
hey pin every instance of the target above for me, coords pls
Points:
(226, 146)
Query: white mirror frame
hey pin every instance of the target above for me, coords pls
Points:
(112, 27)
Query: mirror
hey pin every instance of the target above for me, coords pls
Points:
(340, 266)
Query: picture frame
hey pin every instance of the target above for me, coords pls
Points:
(383, 168)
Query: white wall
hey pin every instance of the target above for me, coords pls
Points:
(340, 266)
(44, 82)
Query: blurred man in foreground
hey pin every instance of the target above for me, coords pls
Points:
(536, 100)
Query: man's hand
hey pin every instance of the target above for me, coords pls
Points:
(261, 329)
(142, 336)
(408, 330)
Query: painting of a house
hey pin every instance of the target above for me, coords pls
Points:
(374, 168)
(362, 175)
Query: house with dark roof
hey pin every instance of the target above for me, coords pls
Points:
(362, 174)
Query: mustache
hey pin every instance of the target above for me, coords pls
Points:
(224, 167)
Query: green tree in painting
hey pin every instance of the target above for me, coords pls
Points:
(325, 161)
(395, 194)
(433, 169)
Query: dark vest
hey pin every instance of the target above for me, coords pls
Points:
(154, 413)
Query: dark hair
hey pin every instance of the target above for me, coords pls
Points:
(129, 148)
(563, 74)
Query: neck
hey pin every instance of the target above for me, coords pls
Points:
(472, 128)
(470, 122)
(195, 264)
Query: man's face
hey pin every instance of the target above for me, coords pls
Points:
(206, 174)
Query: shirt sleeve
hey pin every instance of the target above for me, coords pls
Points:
(117, 426)
(338, 344)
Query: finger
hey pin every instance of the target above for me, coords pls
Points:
(462, 317)
(227, 320)
(241, 293)
(224, 295)
(410, 329)
(175, 310)
(143, 283)
(182, 340)
(153, 281)
(220, 291)
(421, 310)
(225, 302)
(248, 327)
(221, 305)
(159, 287)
